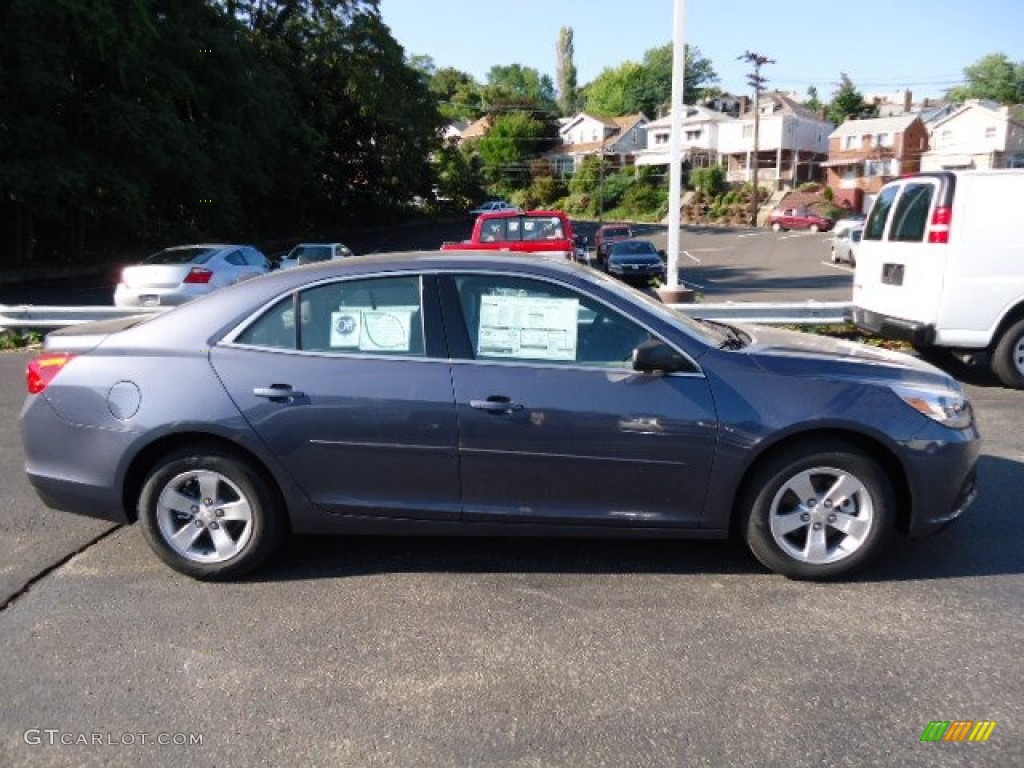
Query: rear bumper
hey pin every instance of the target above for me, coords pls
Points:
(78, 497)
(918, 334)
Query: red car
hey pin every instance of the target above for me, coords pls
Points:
(799, 218)
(606, 235)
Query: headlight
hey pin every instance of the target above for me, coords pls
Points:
(946, 406)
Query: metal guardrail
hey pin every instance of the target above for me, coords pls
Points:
(32, 317)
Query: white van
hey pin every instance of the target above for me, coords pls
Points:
(941, 264)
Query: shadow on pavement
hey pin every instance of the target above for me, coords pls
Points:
(985, 542)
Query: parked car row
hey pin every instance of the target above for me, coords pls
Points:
(179, 274)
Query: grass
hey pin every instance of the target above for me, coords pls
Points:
(13, 340)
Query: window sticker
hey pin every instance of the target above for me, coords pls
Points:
(372, 330)
(528, 327)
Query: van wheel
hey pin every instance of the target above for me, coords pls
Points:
(1008, 357)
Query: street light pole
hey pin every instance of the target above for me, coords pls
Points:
(675, 176)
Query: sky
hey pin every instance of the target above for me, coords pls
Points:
(883, 45)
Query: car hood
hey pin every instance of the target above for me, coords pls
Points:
(778, 349)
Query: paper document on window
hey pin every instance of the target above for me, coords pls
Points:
(528, 327)
(371, 330)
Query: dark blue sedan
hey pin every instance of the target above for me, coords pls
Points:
(461, 393)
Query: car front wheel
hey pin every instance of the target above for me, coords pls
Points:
(208, 514)
(818, 512)
(776, 226)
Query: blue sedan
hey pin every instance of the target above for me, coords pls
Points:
(464, 393)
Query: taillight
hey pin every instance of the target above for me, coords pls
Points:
(41, 371)
(199, 275)
(941, 219)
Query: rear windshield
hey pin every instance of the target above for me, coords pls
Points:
(310, 253)
(616, 232)
(880, 213)
(911, 216)
(195, 255)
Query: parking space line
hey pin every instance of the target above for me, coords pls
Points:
(694, 259)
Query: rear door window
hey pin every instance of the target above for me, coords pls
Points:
(910, 218)
(875, 226)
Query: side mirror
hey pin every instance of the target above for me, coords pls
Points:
(661, 252)
(655, 356)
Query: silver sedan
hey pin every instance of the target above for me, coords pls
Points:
(176, 275)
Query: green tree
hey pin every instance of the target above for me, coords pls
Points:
(849, 102)
(812, 102)
(458, 177)
(646, 87)
(459, 95)
(514, 140)
(519, 88)
(566, 73)
(993, 77)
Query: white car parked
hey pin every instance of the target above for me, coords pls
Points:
(310, 253)
(176, 275)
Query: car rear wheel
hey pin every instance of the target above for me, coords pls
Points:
(815, 228)
(208, 514)
(819, 511)
(1008, 356)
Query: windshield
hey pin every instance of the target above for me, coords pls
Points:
(632, 247)
(710, 335)
(620, 232)
(198, 254)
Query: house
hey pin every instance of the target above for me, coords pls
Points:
(700, 138)
(792, 143)
(585, 135)
(981, 134)
(864, 154)
(478, 129)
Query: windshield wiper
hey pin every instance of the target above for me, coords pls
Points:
(734, 339)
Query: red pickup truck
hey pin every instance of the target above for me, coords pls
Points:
(544, 233)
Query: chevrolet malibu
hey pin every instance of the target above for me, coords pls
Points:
(464, 393)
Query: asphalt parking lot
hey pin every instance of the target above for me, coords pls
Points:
(457, 652)
(509, 652)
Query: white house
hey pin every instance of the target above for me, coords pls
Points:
(981, 134)
(700, 138)
(792, 142)
(585, 135)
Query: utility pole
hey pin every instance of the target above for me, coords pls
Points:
(756, 81)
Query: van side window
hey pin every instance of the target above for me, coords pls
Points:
(879, 213)
(911, 216)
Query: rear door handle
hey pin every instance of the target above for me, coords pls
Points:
(496, 404)
(278, 393)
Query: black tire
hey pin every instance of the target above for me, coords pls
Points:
(1008, 356)
(867, 512)
(234, 524)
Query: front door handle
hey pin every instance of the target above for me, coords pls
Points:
(496, 404)
(278, 393)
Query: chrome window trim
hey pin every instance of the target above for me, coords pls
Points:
(228, 340)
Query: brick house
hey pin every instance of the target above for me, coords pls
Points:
(864, 154)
